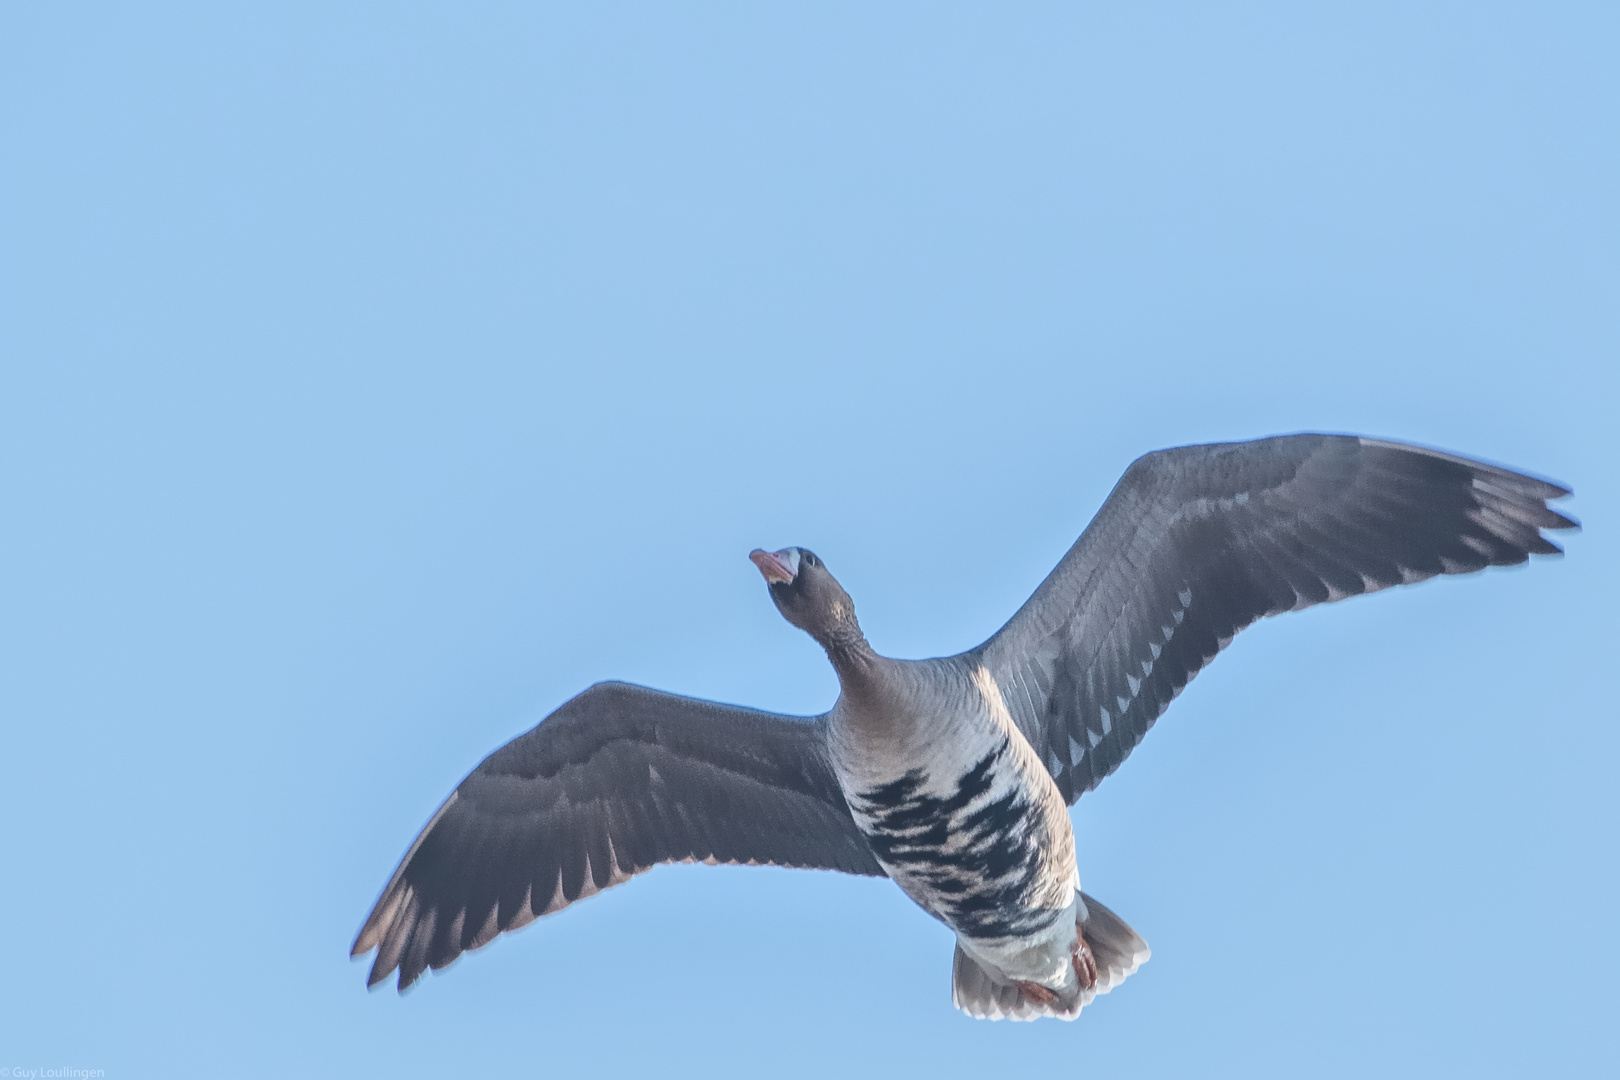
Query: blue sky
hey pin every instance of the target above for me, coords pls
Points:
(373, 379)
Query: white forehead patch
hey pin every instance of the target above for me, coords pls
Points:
(790, 556)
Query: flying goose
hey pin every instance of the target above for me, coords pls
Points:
(952, 776)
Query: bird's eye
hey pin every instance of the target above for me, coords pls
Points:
(809, 557)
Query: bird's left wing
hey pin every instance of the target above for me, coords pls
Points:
(1197, 542)
(618, 779)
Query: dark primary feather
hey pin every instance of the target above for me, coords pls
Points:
(615, 781)
(1197, 542)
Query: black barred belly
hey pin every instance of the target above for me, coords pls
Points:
(973, 857)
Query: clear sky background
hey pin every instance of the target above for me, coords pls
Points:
(372, 379)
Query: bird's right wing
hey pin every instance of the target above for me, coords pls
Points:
(1197, 542)
(618, 779)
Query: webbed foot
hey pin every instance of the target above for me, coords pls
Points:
(1085, 965)
(1035, 992)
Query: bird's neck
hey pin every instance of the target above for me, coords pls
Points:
(853, 659)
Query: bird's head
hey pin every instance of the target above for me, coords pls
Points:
(808, 596)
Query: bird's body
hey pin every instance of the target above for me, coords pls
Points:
(959, 811)
(953, 776)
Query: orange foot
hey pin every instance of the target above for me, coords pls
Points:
(1037, 993)
(1085, 965)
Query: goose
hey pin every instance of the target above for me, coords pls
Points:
(953, 776)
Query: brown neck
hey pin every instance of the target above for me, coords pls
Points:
(853, 659)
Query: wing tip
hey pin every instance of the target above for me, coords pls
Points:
(1522, 482)
(1519, 496)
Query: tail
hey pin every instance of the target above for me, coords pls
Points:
(1117, 949)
